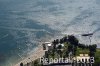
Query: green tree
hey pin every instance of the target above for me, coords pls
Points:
(92, 49)
(36, 63)
(21, 64)
(73, 40)
(59, 49)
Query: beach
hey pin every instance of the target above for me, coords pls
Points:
(39, 52)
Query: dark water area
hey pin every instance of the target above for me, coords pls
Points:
(16, 38)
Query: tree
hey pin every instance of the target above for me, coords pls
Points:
(32, 64)
(21, 64)
(65, 39)
(73, 40)
(54, 47)
(54, 44)
(83, 46)
(70, 47)
(57, 41)
(92, 49)
(36, 63)
(61, 41)
(59, 49)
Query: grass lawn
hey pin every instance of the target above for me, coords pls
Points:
(97, 54)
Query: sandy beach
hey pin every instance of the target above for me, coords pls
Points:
(37, 54)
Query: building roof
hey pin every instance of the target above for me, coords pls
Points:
(49, 44)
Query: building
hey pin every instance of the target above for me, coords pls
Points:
(47, 46)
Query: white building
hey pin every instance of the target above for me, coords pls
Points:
(47, 45)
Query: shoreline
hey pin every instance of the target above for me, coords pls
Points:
(38, 52)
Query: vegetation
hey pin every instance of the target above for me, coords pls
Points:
(97, 57)
(21, 64)
(36, 63)
(71, 47)
(71, 44)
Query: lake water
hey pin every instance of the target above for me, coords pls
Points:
(24, 23)
(18, 32)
